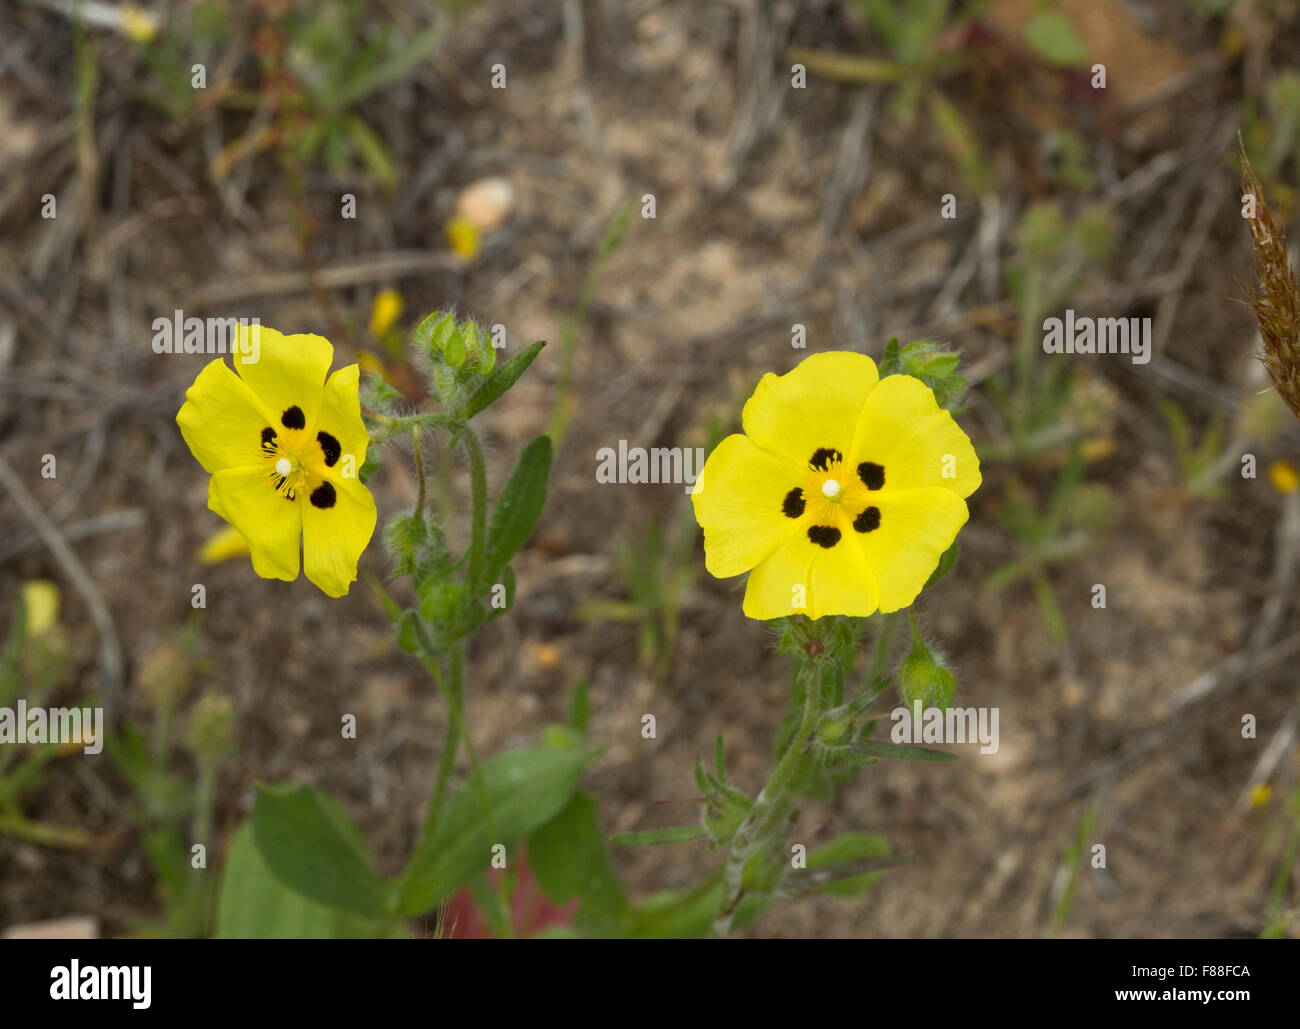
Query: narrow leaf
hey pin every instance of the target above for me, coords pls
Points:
(878, 748)
(502, 379)
(651, 837)
(519, 506)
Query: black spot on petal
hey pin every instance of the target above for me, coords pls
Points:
(293, 418)
(329, 447)
(268, 434)
(824, 457)
(793, 505)
(824, 535)
(323, 496)
(872, 475)
(868, 521)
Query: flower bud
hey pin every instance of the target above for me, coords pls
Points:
(834, 732)
(165, 674)
(211, 733)
(458, 353)
(923, 676)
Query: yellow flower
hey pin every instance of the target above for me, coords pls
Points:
(384, 313)
(222, 545)
(139, 25)
(40, 605)
(842, 494)
(1284, 477)
(463, 238)
(284, 446)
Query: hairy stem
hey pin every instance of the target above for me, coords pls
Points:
(478, 503)
(769, 810)
(418, 452)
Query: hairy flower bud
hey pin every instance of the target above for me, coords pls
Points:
(923, 676)
(211, 733)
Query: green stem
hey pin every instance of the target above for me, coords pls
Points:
(205, 799)
(881, 648)
(418, 453)
(769, 809)
(478, 504)
(446, 760)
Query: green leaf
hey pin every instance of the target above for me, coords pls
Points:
(514, 794)
(849, 849)
(502, 379)
(651, 837)
(579, 711)
(408, 639)
(395, 66)
(569, 858)
(1054, 40)
(879, 748)
(689, 913)
(254, 904)
(311, 845)
(519, 506)
(374, 152)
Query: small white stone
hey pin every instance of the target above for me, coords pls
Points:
(284, 466)
(831, 488)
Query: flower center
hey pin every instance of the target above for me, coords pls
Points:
(846, 501)
(295, 463)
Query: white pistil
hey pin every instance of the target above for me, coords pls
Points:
(283, 467)
(831, 489)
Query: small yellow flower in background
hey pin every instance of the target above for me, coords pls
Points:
(384, 312)
(1260, 795)
(842, 494)
(284, 446)
(482, 206)
(138, 24)
(40, 605)
(463, 238)
(222, 545)
(370, 363)
(1284, 477)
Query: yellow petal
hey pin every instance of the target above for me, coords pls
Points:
(285, 372)
(915, 441)
(842, 581)
(737, 500)
(915, 528)
(803, 577)
(40, 605)
(222, 419)
(222, 545)
(271, 524)
(340, 416)
(334, 537)
(813, 407)
(779, 586)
